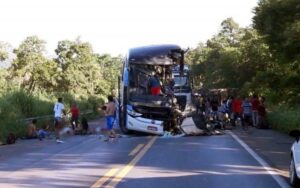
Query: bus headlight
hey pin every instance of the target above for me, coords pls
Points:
(134, 113)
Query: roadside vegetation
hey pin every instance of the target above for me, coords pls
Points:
(31, 82)
(263, 58)
(285, 120)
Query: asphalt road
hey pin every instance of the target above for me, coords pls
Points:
(143, 161)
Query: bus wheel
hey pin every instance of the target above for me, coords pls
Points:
(123, 127)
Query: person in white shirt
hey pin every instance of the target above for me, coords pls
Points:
(59, 110)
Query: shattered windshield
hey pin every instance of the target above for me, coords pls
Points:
(140, 75)
(180, 80)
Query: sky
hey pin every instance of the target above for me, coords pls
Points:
(113, 26)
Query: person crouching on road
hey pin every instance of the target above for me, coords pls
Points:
(110, 111)
(43, 132)
(31, 130)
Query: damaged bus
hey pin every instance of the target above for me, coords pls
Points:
(183, 90)
(143, 111)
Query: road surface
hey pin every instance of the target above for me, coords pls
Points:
(134, 162)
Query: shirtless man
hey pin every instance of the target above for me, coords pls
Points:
(110, 110)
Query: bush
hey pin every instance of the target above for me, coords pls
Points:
(17, 105)
(284, 119)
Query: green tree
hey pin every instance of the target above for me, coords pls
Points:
(3, 82)
(215, 63)
(27, 68)
(110, 70)
(234, 58)
(3, 71)
(278, 21)
(80, 72)
(3, 51)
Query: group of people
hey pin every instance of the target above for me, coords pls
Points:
(59, 111)
(34, 132)
(250, 110)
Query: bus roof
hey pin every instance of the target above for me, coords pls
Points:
(153, 55)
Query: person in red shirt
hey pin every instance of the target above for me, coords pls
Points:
(154, 84)
(74, 115)
(255, 105)
(237, 108)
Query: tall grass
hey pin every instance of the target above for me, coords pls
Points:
(284, 119)
(15, 106)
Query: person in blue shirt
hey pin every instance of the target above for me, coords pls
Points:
(247, 111)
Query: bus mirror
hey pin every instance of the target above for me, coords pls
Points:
(182, 63)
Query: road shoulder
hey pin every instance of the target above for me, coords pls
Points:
(272, 146)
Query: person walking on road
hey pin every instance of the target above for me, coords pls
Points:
(74, 115)
(110, 111)
(59, 110)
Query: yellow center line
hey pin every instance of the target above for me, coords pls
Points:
(136, 149)
(104, 178)
(130, 165)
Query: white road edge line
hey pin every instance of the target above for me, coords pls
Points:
(262, 162)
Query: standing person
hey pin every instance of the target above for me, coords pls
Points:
(169, 89)
(247, 112)
(255, 104)
(197, 103)
(74, 115)
(236, 109)
(207, 106)
(262, 114)
(110, 111)
(59, 110)
(214, 107)
(202, 104)
(154, 84)
(229, 105)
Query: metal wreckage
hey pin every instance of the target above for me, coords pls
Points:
(172, 111)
